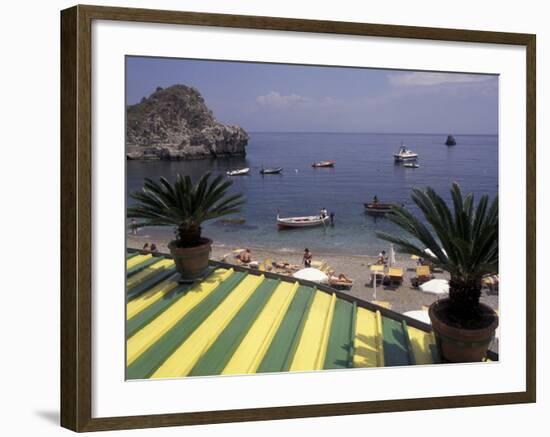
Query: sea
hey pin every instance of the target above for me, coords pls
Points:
(364, 168)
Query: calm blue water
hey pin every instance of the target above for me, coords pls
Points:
(364, 167)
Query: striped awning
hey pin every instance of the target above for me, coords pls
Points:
(239, 321)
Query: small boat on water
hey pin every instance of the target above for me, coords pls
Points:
(405, 154)
(378, 208)
(277, 170)
(410, 165)
(238, 172)
(322, 164)
(451, 141)
(302, 222)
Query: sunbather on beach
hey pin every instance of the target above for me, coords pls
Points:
(307, 258)
(245, 256)
(381, 258)
(341, 278)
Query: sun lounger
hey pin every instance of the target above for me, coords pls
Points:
(376, 270)
(395, 275)
(423, 274)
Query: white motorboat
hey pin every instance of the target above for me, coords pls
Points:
(302, 222)
(238, 172)
(405, 154)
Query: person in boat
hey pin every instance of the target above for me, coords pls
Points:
(245, 256)
(375, 200)
(324, 212)
(381, 258)
(332, 218)
(307, 258)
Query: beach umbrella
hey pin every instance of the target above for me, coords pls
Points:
(392, 255)
(311, 274)
(420, 315)
(436, 286)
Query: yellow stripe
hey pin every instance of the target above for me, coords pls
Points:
(132, 262)
(326, 333)
(190, 351)
(365, 344)
(149, 334)
(309, 346)
(148, 272)
(421, 342)
(379, 340)
(251, 351)
(151, 296)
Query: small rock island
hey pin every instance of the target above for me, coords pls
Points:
(175, 124)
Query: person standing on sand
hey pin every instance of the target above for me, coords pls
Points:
(134, 227)
(308, 256)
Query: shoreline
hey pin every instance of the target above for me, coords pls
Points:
(401, 299)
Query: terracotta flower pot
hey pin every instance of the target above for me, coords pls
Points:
(191, 262)
(461, 345)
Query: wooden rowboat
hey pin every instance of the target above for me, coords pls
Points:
(323, 164)
(301, 222)
(239, 172)
(378, 208)
(271, 170)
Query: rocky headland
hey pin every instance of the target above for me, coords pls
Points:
(174, 123)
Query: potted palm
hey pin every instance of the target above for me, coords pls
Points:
(186, 206)
(464, 242)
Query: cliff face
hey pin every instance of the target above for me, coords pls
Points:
(175, 123)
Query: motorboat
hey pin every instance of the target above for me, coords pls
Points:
(410, 165)
(451, 141)
(277, 170)
(405, 154)
(378, 208)
(302, 222)
(238, 172)
(322, 164)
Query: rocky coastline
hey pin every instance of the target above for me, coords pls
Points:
(175, 124)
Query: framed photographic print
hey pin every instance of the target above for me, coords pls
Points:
(268, 218)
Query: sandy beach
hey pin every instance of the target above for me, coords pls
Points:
(401, 299)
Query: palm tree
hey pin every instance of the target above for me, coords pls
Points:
(184, 205)
(463, 242)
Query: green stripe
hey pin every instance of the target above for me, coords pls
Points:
(143, 265)
(147, 315)
(131, 255)
(218, 355)
(339, 341)
(396, 352)
(281, 351)
(146, 364)
(149, 283)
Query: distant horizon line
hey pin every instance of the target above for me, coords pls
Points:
(366, 132)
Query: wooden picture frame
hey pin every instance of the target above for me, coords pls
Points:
(76, 217)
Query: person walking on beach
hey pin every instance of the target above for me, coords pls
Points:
(308, 256)
(134, 227)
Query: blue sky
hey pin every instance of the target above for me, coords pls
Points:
(283, 98)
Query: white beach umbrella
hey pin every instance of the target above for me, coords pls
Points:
(392, 255)
(436, 286)
(420, 315)
(311, 274)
